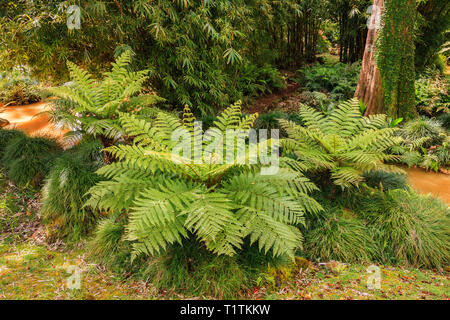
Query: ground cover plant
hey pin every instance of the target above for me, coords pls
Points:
(425, 144)
(337, 79)
(28, 159)
(64, 191)
(17, 88)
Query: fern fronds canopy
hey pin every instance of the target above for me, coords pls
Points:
(220, 204)
(88, 106)
(344, 143)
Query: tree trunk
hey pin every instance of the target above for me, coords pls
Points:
(369, 89)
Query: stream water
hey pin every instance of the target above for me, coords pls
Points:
(426, 182)
(25, 118)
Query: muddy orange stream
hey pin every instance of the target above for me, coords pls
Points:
(25, 118)
(425, 182)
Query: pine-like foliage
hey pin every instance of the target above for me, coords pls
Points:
(6, 136)
(64, 192)
(343, 144)
(91, 107)
(28, 159)
(218, 204)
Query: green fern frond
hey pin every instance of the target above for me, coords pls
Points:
(344, 143)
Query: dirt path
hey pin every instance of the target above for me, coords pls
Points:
(425, 182)
(26, 118)
(268, 103)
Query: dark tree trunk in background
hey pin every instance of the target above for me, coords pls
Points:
(369, 89)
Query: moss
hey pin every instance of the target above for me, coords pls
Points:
(395, 58)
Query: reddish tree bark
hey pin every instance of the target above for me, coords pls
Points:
(369, 89)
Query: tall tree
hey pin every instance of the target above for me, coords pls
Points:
(369, 89)
(387, 78)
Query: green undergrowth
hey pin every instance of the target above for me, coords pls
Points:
(33, 272)
(63, 194)
(28, 159)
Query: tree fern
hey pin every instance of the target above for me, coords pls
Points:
(220, 204)
(344, 143)
(91, 107)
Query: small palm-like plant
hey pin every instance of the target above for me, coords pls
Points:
(91, 107)
(343, 144)
(217, 204)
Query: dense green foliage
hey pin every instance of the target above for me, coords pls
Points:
(195, 50)
(339, 235)
(220, 203)
(201, 225)
(432, 94)
(88, 107)
(5, 137)
(338, 79)
(64, 192)
(425, 143)
(410, 229)
(433, 25)
(395, 58)
(342, 145)
(17, 88)
(28, 159)
(351, 19)
(385, 180)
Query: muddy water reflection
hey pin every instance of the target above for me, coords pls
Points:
(425, 182)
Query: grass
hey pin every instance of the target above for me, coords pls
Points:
(349, 282)
(28, 159)
(29, 271)
(411, 229)
(33, 272)
(63, 194)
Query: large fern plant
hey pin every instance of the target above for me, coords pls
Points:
(88, 106)
(218, 204)
(343, 145)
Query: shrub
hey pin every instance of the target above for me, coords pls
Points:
(63, 195)
(318, 100)
(192, 268)
(386, 180)
(256, 80)
(343, 145)
(19, 94)
(219, 204)
(432, 96)
(425, 144)
(108, 247)
(339, 79)
(340, 235)
(269, 120)
(28, 159)
(6, 136)
(423, 132)
(17, 88)
(445, 120)
(410, 229)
